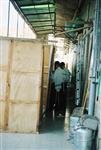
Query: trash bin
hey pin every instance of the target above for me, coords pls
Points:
(83, 138)
(74, 119)
(89, 121)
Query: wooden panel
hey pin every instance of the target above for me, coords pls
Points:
(4, 60)
(46, 69)
(21, 73)
(4, 52)
(3, 78)
(27, 56)
(2, 112)
(45, 81)
(46, 73)
(25, 87)
(46, 55)
(23, 117)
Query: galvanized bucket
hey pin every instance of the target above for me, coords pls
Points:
(83, 139)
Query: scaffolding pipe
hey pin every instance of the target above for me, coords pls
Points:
(88, 33)
(73, 30)
(95, 57)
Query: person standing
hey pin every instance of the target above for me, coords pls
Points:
(66, 83)
(52, 89)
(59, 79)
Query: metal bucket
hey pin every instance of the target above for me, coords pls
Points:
(74, 119)
(89, 121)
(83, 139)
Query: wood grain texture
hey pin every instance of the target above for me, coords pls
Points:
(27, 56)
(10, 54)
(22, 117)
(46, 74)
(3, 81)
(2, 114)
(25, 86)
(21, 72)
(4, 52)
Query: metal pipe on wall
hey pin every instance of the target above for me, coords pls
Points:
(95, 56)
(78, 74)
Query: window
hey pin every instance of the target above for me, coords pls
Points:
(12, 24)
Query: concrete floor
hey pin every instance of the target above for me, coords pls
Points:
(53, 136)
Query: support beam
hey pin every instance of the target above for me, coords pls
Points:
(43, 13)
(40, 21)
(36, 4)
(42, 26)
(43, 30)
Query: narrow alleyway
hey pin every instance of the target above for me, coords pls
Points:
(53, 136)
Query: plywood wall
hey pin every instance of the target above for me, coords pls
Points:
(21, 72)
(46, 68)
(4, 61)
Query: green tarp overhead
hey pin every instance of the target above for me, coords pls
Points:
(40, 14)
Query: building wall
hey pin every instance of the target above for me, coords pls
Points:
(88, 13)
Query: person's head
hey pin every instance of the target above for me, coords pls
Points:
(57, 64)
(62, 65)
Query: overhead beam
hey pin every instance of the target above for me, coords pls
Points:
(43, 30)
(42, 26)
(43, 13)
(40, 21)
(34, 4)
(50, 14)
(44, 33)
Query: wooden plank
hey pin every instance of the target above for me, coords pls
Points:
(25, 83)
(27, 56)
(46, 55)
(25, 86)
(20, 101)
(39, 107)
(45, 82)
(2, 114)
(3, 67)
(4, 59)
(22, 82)
(22, 117)
(3, 78)
(24, 72)
(46, 73)
(6, 116)
(4, 52)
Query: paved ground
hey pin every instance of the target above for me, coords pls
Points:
(34, 142)
(53, 136)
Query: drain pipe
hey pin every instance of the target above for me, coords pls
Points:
(94, 58)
